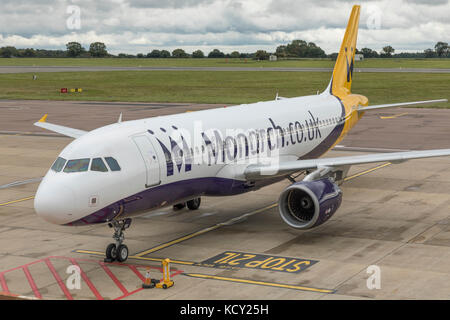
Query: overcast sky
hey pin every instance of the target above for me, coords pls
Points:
(134, 26)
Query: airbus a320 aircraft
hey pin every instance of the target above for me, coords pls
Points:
(128, 168)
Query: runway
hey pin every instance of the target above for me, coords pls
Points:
(37, 69)
(393, 216)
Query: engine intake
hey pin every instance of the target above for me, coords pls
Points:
(308, 204)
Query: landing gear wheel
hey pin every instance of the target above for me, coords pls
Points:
(118, 251)
(122, 253)
(179, 206)
(111, 252)
(194, 204)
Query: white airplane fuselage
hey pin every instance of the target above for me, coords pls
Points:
(154, 172)
(122, 170)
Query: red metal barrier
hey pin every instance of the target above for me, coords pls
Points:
(62, 285)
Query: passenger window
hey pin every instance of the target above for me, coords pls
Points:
(58, 164)
(98, 165)
(78, 165)
(112, 163)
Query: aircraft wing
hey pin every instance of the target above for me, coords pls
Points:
(256, 171)
(401, 104)
(70, 132)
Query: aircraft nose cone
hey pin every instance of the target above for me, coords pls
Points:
(54, 203)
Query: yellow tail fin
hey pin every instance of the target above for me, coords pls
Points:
(343, 69)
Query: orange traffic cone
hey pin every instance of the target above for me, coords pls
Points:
(148, 283)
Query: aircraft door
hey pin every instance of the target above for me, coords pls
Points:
(150, 159)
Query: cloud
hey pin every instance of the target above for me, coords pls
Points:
(167, 3)
(429, 2)
(245, 25)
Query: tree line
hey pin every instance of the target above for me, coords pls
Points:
(441, 50)
(295, 49)
(73, 49)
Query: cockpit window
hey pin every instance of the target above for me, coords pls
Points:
(112, 163)
(58, 164)
(98, 165)
(78, 165)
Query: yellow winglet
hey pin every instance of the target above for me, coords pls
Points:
(44, 118)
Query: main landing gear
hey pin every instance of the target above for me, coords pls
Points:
(193, 204)
(118, 251)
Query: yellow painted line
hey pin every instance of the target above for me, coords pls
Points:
(189, 263)
(97, 253)
(263, 283)
(203, 231)
(367, 171)
(15, 201)
(170, 243)
(140, 255)
(205, 276)
(394, 116)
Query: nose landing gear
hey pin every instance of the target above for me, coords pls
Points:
(118, 251)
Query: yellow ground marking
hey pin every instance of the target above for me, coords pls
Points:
(263, 283)
(203, 231)
(189, 263)
(204, 276)
(98, 253)
(367, 171)
(170, 243)
(140, 255)
(15, 134)
(14, 201)
(394, 116)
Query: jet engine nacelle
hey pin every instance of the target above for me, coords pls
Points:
(308, 204)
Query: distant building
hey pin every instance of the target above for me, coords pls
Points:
(273, 57)
(359, 57)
